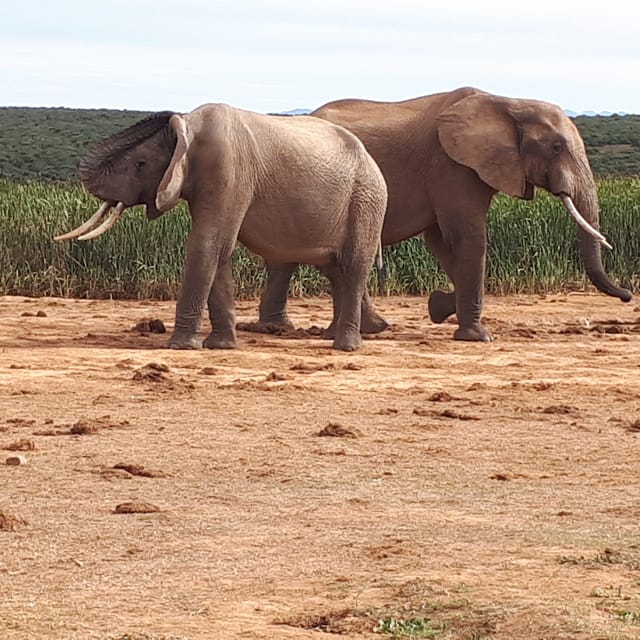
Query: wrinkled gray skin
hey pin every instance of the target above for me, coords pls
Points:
(290, 189)
(444, 157)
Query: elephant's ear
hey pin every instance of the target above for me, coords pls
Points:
(479, 132)
(173, 178)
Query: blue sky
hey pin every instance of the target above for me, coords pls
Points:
(277, 55)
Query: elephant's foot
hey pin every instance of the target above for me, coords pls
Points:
(348, 341)
(475, 333)
(220, 341)
(184, 341)
(372, 322)
(442, 304)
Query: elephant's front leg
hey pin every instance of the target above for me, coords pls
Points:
(199, 273)
(442, 304)
(371, 321)
(222, 310)
(469, 248)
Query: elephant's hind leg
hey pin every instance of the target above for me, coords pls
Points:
(348, 289)
(273, 302)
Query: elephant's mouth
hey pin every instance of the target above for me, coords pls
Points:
(529, 191)
(102, 220)
(152, 211)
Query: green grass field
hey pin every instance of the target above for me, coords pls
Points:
(532, 248)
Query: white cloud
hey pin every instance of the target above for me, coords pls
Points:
(279, 55)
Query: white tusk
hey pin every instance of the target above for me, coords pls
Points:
(571, 208)
(107, 223)
(88, 225)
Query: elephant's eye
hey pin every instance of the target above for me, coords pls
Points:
(140, 164)
(556, 147)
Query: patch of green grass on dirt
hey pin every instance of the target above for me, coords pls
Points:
(414, 609)
(409, 628)
(629, 617)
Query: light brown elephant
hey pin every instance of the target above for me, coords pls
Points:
(290, 189)
(444, 157)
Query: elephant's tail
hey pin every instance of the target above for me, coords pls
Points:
(381, 269)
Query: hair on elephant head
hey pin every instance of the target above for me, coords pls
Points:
(126, 169)
(444, 157)
(313, 193)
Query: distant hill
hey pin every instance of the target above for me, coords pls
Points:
(613, 143)
(46, 143)
(295, 112)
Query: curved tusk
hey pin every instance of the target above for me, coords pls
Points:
(88, 225)
(107, 223)
(571, 208)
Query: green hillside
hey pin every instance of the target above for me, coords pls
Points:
(613, 143)
(43, 143)
(46, 143)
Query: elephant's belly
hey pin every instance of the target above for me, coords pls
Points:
(282, 253)
(406, 219)
(303, 233)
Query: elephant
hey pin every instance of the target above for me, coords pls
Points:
(444, 157)
(293, 189)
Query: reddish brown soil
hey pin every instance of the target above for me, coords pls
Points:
(304, 493)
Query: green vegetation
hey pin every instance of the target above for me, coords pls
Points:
(46, 143)
(532, 248)
(532, 245)
(42, 143)
(613, 143)
(408, 628)
(629, 617)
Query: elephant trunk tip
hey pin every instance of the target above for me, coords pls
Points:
(625, 295)
(612, 290)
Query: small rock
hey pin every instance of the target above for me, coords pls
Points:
(16, 460)
(10, 522)
(136, 507)
(82, 428)
(335, 430)
(209, 371)
(24, 444)
(150, 326)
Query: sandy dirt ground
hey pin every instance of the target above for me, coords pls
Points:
(286, 491)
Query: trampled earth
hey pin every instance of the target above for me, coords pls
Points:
(284, 490)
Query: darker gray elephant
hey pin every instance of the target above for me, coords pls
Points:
(444, 157)
(290, 189)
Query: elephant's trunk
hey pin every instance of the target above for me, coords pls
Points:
(586, 202)
(590, 252)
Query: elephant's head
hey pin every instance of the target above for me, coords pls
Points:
(517, 145)
(143, 164)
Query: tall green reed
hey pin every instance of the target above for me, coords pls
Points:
(532, 248)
